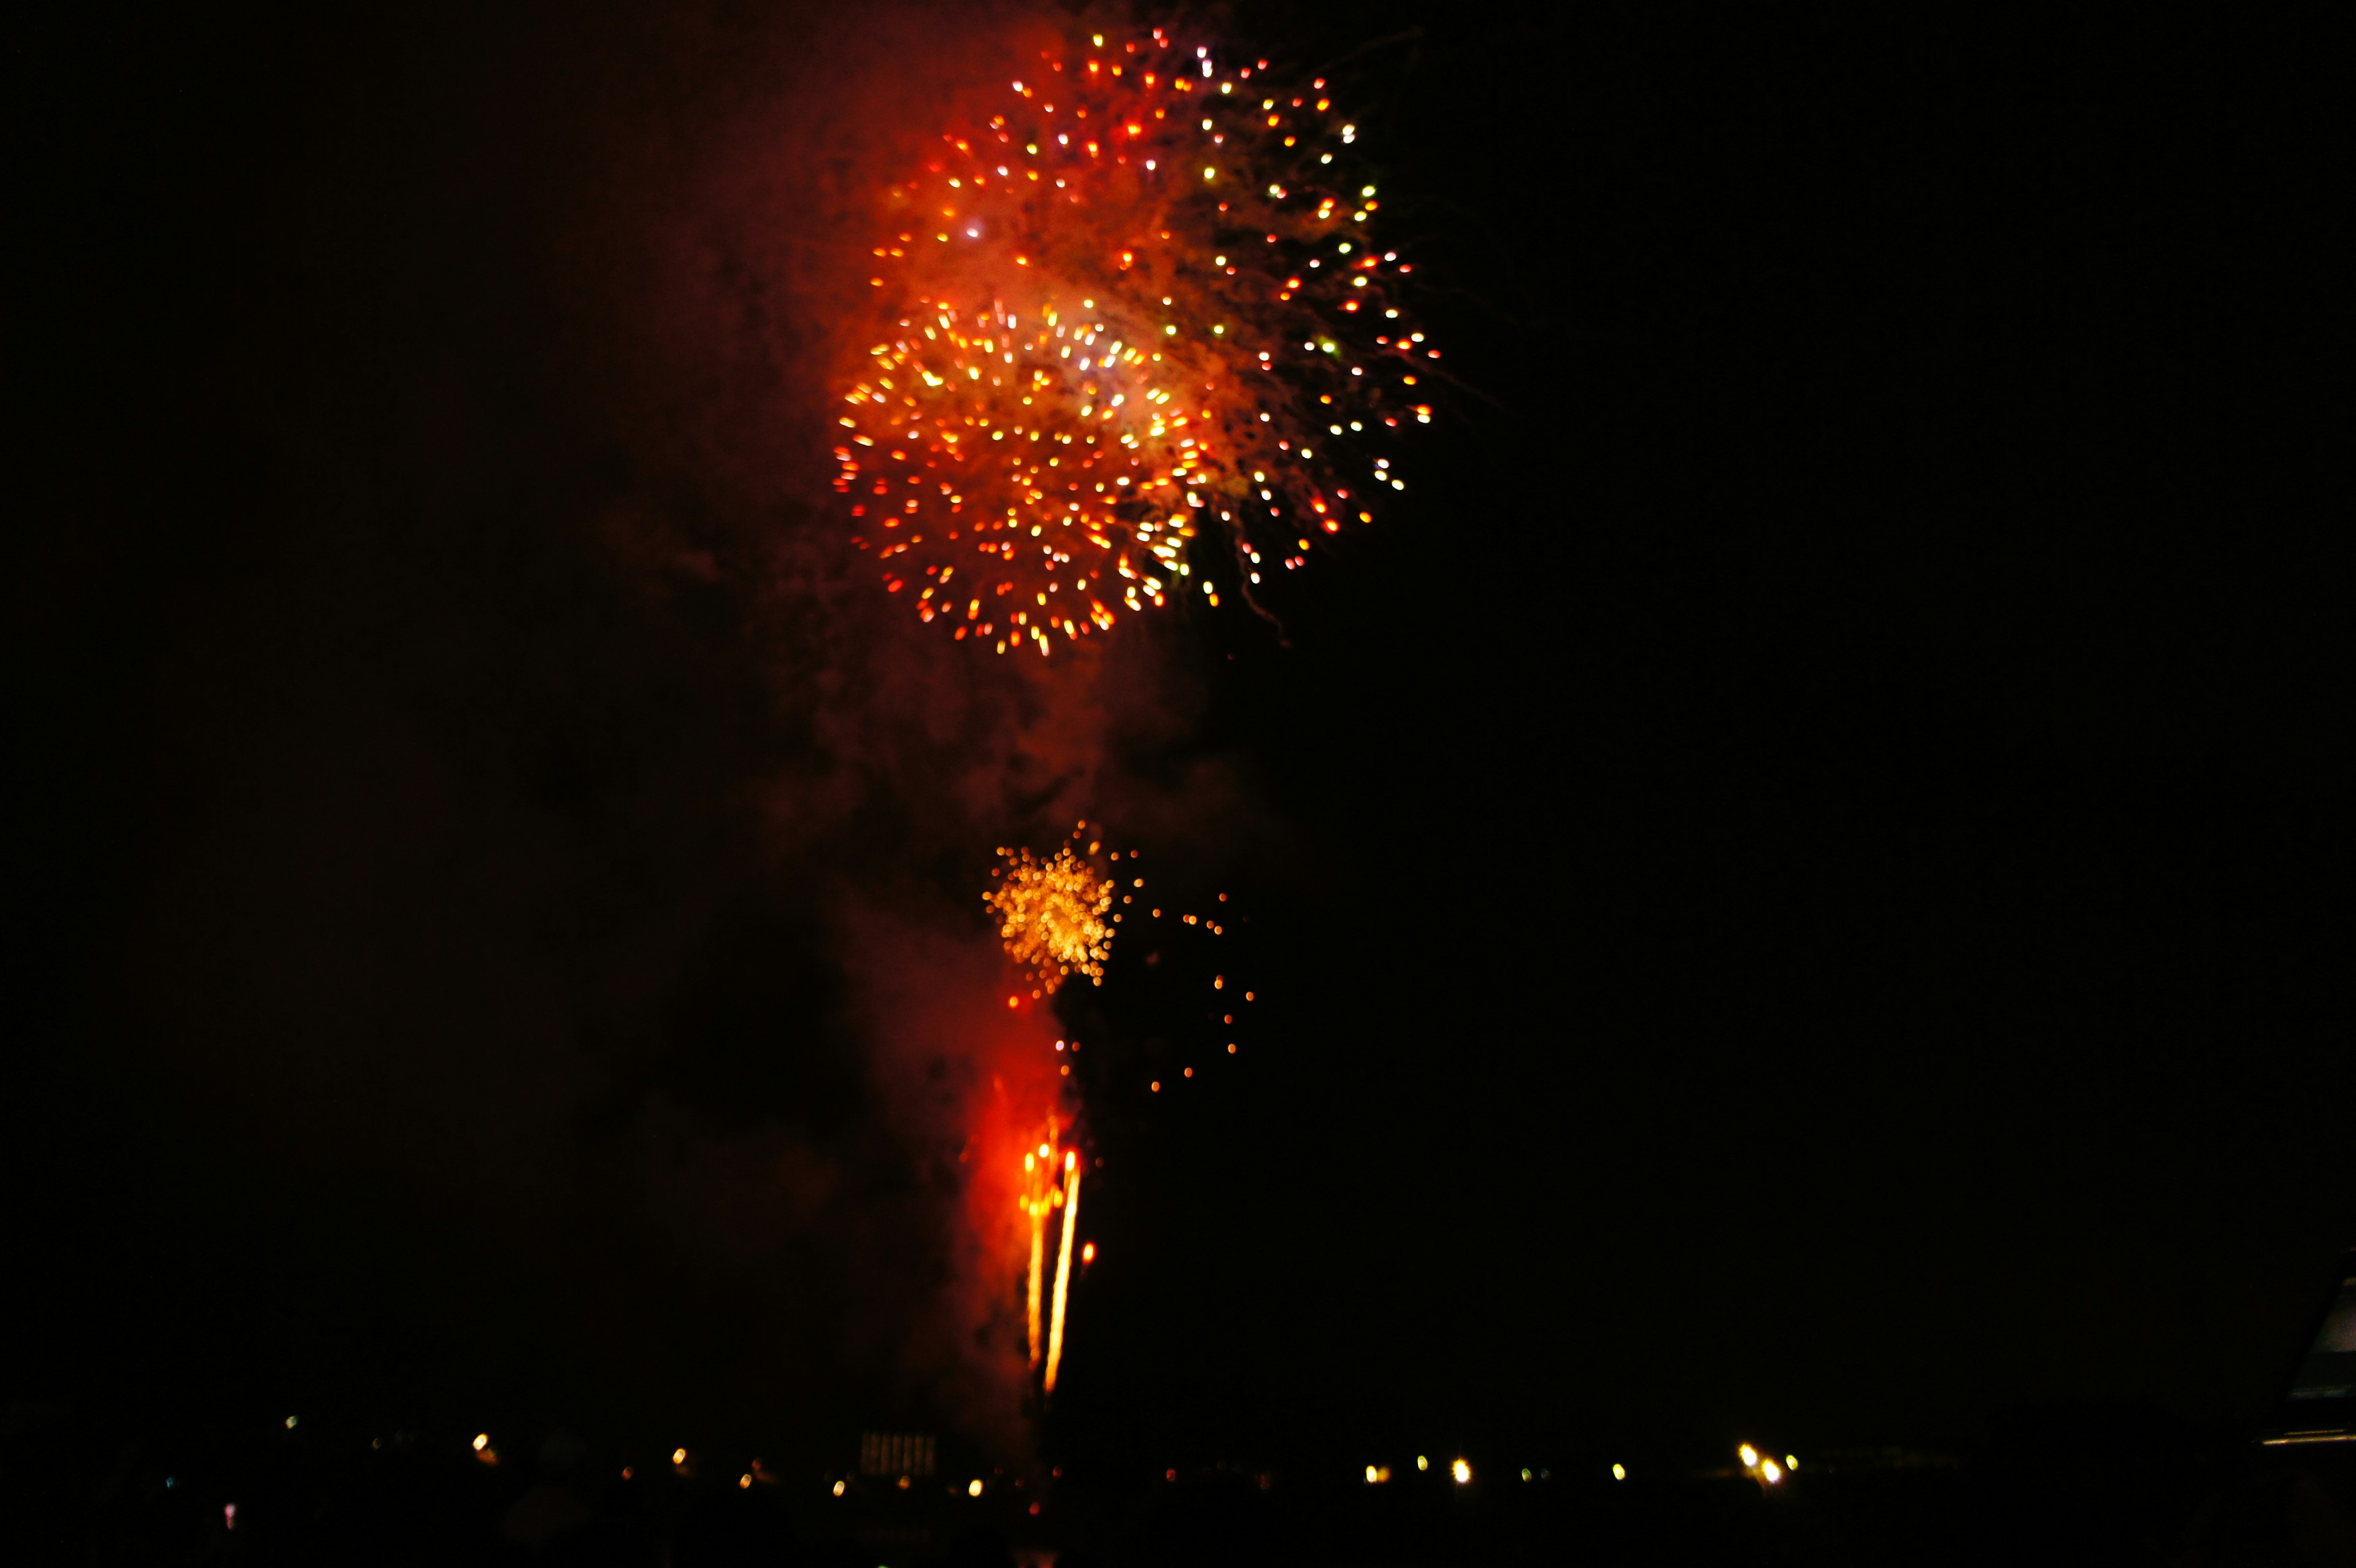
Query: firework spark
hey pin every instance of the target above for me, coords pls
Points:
(1050, 915)
(1142, 305)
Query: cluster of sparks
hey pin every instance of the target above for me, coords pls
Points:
(1141, 305)
(1051, 914)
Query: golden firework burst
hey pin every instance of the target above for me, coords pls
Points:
(1051, 914)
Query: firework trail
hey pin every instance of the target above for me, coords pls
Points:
(1037, 1204)
(1051, 1181)
(1062, 1269)
(1140, 306)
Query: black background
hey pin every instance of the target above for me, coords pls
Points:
(1799, 883)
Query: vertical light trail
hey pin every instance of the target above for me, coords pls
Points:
(1038, 1207)
(1064, 1265)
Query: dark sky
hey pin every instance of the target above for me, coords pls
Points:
(1800, 882)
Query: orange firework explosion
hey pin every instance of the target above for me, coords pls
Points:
(1050, 915)
(1142, 303)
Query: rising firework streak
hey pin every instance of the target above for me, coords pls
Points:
(1063, 1267)
(1142, 305)
(1037, 1202)
(1043, 1194)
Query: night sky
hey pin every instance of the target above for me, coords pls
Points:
(1800, 879)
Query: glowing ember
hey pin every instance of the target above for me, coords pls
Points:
(1142, 303)
(1050, 915)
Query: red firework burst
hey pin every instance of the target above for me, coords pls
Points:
(1142, 305)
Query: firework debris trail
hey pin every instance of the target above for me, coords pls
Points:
(1140, 305)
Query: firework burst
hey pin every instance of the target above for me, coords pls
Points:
(1050, 915)
(1141, 306)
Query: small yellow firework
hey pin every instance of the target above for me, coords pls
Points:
(1052, 915)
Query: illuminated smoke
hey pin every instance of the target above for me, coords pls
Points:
(1052, 915)
(1142, 303)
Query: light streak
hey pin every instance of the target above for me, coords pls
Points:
(1043, 1194)
(1135, 308)
(1063, 1267)
(1037, 1206)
